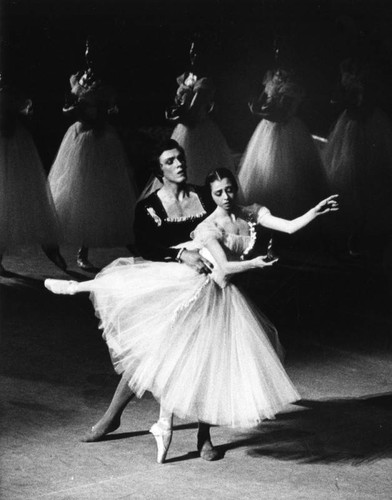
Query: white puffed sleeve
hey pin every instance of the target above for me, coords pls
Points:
(205, 232)
(256, 212)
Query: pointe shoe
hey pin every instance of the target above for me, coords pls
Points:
(62, 287)
(163, 439)
(93, 435)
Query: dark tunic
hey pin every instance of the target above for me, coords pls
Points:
(155, 232)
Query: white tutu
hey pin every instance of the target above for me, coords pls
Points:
(205, 149)
(27, 213)
(281, 168)
(91, 188)
(358, 163)
(203, 351)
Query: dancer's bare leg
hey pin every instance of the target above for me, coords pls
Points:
(111, 419)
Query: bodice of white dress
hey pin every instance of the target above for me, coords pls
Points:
(237, 241)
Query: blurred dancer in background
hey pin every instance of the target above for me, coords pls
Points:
(27, 212)
(281, 167)
(92, 189)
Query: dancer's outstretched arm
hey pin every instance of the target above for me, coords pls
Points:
(269, 221)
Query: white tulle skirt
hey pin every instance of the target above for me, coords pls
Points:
(204, 352)
(27, 213)
(358, 164)
(205, 147)
(282, 169)
(92, 189)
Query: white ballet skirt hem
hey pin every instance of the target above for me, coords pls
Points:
(92, 189)
(27, 212)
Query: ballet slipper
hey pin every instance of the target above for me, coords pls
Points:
(207, 451)
(95, 434)
(62, 287)
(163, 439)
(204, 446)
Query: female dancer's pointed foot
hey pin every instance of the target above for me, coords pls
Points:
(63, 287)
(100, 430)
(163, 439)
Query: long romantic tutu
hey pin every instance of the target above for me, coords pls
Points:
(27, 213)
(282, 169)
(205, 147)
(358, 163)
(91, 188)
(203, 351)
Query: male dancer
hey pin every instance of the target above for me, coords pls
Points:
(164, 220)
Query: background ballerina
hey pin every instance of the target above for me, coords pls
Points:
(358, 160)
(203, 142)
(90, 178)
(281, 166)
(27, 213)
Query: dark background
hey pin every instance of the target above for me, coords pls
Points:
(145, 46)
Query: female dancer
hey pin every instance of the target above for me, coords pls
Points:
(358, 159)
(201, 348)
(200, 137)
(27, 213)
(281, 166)
(90, 182)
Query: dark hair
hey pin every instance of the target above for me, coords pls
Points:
(160, 148)
(220, 174)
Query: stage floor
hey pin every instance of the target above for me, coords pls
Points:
(56, 380)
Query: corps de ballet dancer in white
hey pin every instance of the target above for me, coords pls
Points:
(201, 348)
(27, 212)
(205, 146)
(90, 179)
(281, 166)
(358, 159)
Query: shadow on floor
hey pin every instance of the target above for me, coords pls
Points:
(355, 430)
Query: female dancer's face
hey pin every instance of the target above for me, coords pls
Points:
(224, 194)
(173, 166)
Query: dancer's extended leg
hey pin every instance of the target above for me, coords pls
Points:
(65, 287)
(111, 419)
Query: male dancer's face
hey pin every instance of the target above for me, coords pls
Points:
(173, 166)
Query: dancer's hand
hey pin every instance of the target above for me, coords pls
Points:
(330, 204)
(262, 261)
(193, 259)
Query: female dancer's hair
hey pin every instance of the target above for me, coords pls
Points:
(219, 174)
(166, 145)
